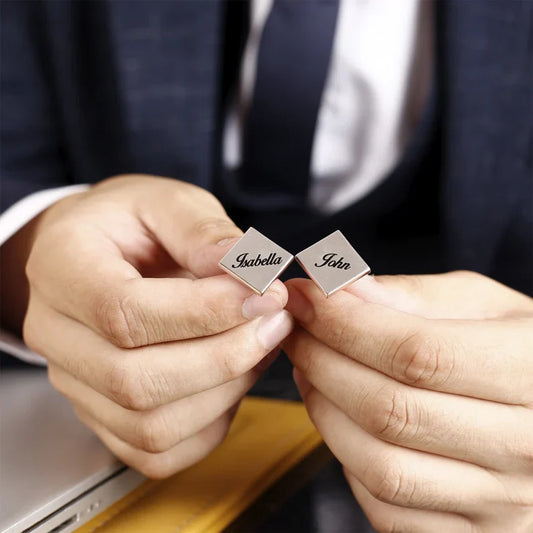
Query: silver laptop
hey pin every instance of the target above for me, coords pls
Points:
(55, 475)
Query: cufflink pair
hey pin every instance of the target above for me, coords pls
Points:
(331, 263)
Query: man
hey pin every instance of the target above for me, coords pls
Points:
(421, 385)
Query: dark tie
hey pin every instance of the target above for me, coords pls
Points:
(291, 72)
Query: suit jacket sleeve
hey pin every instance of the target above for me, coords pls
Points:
(32, 158)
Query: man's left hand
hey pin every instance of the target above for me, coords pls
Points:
(422, 386)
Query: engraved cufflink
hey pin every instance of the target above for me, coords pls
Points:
(256, 261)
(332, 263)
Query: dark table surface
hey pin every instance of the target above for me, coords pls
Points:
(314, 497)
(323, 504)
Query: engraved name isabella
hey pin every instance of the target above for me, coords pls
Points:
(330, 260)
(242, 261)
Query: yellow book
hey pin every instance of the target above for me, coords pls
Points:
(267, 438)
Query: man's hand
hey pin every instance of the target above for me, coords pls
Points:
(152, 347)
(422, 386)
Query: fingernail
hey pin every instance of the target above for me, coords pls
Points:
(272, 329)
(256, 305)
(301, 382)
(299, 306)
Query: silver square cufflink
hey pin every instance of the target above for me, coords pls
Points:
(332, 263)
(256, 261)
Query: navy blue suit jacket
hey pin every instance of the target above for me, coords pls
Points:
(92, 89)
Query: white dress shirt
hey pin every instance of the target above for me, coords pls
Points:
(376, 87)
(377, 84)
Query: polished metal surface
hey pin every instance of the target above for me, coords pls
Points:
(256, 261)
(332, 263)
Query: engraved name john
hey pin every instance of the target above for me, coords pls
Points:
(242, 261)
(330, 260)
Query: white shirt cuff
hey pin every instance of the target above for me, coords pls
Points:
(20, 213)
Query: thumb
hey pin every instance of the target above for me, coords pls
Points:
(192, 226)
(460, 295)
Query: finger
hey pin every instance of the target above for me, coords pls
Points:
(443, 355)
(386, 517)
(87, 268)
(191, 224)
(147, 377)
(488, 434)
(164, 464)
(131, 311)
(159, 429)
(188, 221)
(151, 311)
(460, 294)
(400, 476)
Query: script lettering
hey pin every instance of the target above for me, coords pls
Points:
(330, 261)
(242, 260)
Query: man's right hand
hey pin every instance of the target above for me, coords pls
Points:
(152, 346)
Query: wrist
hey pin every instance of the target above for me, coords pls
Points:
(14, 288)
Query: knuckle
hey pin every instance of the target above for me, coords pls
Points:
(237, 358)
(341, 333)
(232, 364)
(31, 268)
(212, 225)
(383, 522)
(423, 359)
(315, 406)
(130, 386)
(216, 437)
(117, 317)
(309, 361)
(468, 275)
(34, 264)
(122, 385)
(521, 497)
(152, 433)
(205, 318)
(219, 437)
(414, 284)
(526, 455)
(154, 466)
(188, 192)
(161, 465)
(308, 365)
(393, 416)
(388, 482)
